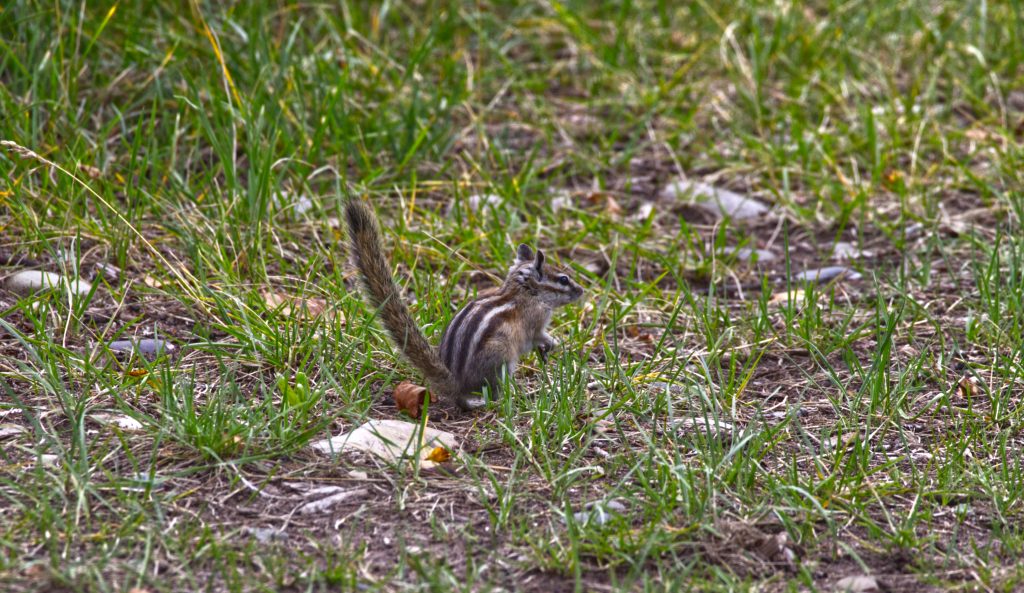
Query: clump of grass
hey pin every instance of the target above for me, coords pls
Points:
(863, 427)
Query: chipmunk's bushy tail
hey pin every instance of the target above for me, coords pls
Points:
(368, 253)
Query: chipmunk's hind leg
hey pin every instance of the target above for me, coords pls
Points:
(486, 368)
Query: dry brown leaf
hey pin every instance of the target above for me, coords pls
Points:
(314, 307)
(138, 373)
(605, 201)
(287, 304)
(599, 421)
(90, 171)
(154, 282)
(783, 297)
(612, 207)
(966, 387)
(439, 455)
(848, 439)
(410, 397)
(893, 177)
(978, 135)
(273, 299)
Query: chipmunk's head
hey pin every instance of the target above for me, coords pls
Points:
(552, 285)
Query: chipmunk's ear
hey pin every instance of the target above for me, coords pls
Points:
(524, 254)
(539, 263)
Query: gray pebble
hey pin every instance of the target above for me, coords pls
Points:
(827, 274)
(149, 348)
(748, 254)
(266, 535)
(599, 513)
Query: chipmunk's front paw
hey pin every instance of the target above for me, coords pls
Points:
(545, 345)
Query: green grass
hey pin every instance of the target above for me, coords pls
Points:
(176, 142)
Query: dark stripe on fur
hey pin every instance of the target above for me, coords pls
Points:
(486, 332)
(448, 343)
(460, 333)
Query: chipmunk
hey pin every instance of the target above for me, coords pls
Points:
(486, 337)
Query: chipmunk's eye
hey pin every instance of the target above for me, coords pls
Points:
(563, 280)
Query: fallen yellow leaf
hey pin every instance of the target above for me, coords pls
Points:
(439, 455)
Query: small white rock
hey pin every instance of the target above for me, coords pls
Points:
(7, 430)
(390, 440)
(478, 202)
(325, 504)
(149, 348)
(29, 281)
(748, 254)
(643, 212)
(49, 460)
(858, 584)
(298, 203)
(599, 513)
(143, 480)
(713, 429)
(560, 199)
(827, 274)
(110, 272)
(265, 535)
(720, 202)
(120, 421)
(844, 250)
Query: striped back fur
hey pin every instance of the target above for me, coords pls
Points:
(474, 325)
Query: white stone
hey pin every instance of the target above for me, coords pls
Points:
(390, 440)
(7, 430)
(478, 202)
(858, 584)
(748, 254)
(720, 202)
(30, 281)
(120, 421)
(716, 429)
(827, 274)
(560, 199)
(599, 513)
